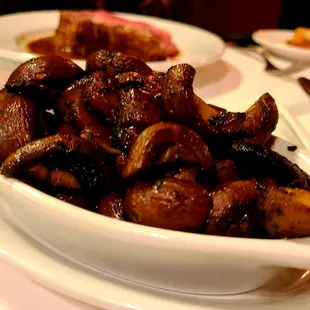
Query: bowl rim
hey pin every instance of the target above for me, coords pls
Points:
(295, 252)
(146, 235)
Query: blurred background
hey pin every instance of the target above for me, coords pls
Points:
(228, 18)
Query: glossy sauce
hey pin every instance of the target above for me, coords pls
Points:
(46, 46)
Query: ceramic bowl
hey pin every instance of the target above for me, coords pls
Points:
(168, 260)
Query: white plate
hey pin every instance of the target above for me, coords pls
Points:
(274, 40)
(198, 47)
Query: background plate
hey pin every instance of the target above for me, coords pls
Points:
(198, 47)
(274, 41)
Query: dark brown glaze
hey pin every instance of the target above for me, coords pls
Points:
(47, 74)
(124, 137)
(43, 147)
(73, 109)
(49, 122)
(112, 205)
(115, 63)
(245, 228)
(261, 120)
(121, 161)
(256, 160)
(183, 106)
(118, 153)
(285, 212)
(68, 98)
(168, 203)
(141, 104)
(19, 122)
(231, 202)
(143, 153)
(74, 200)
(55, 177)
(175, 153)
(68, 162)
(226, 171)
(101, 93)
(138, 109)
(66, 129)
(184, 173)
(206, 111)
(225, 123)
(150, 84)
(178, 93)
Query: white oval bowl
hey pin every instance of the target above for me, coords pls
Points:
(169, 260)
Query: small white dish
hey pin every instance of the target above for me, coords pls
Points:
(198, 47)
(274, 40)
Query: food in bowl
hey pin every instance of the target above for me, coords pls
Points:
(80, 33)
(138, 145)
(301, 37)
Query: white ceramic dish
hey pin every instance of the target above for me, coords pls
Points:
(171, 260)
(274, 40)
(198, 47)
(289, 290)
(175, 261)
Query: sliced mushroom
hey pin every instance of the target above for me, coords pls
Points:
(206, 111)
(256, 160)
(123, 138)
(178, 93)
(74, 110)
(150, 84)
(183, 106)
(101, 94)
(19, 123)
(231, 202)
(227, 171)
(112, 205)
(184, 173)
(55, 177)
(285, 212)
(177, 152)
(43, 147)
(144, 151)
(48, 74)
(245, 228)
(66, 161)
(66, 129)
(49, 122)
(115, 63)
(261, 120)
(168, 203)
(138, 108)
